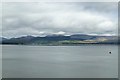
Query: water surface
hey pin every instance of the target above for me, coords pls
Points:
(86, 61)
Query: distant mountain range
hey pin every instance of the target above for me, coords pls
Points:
(75, 39)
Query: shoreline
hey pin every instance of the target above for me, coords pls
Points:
(58, 45)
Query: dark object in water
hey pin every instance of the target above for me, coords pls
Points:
(110, 52)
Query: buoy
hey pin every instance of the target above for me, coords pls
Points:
(109, 52)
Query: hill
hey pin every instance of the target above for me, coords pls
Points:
(75, 39)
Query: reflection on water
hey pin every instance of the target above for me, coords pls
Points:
(60, 61)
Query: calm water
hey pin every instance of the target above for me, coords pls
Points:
(0, 61)
(91, 61)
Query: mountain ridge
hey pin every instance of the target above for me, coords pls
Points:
(74, 39)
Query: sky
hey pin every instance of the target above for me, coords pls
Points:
(60, 0)
(60, 18)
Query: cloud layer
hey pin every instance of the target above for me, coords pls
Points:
(68, 18)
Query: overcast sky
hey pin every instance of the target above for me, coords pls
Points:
(63, 18)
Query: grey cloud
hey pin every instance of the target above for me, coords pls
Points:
(47, 18)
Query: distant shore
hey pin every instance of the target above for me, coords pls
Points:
(61, 44)
(61, 40)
